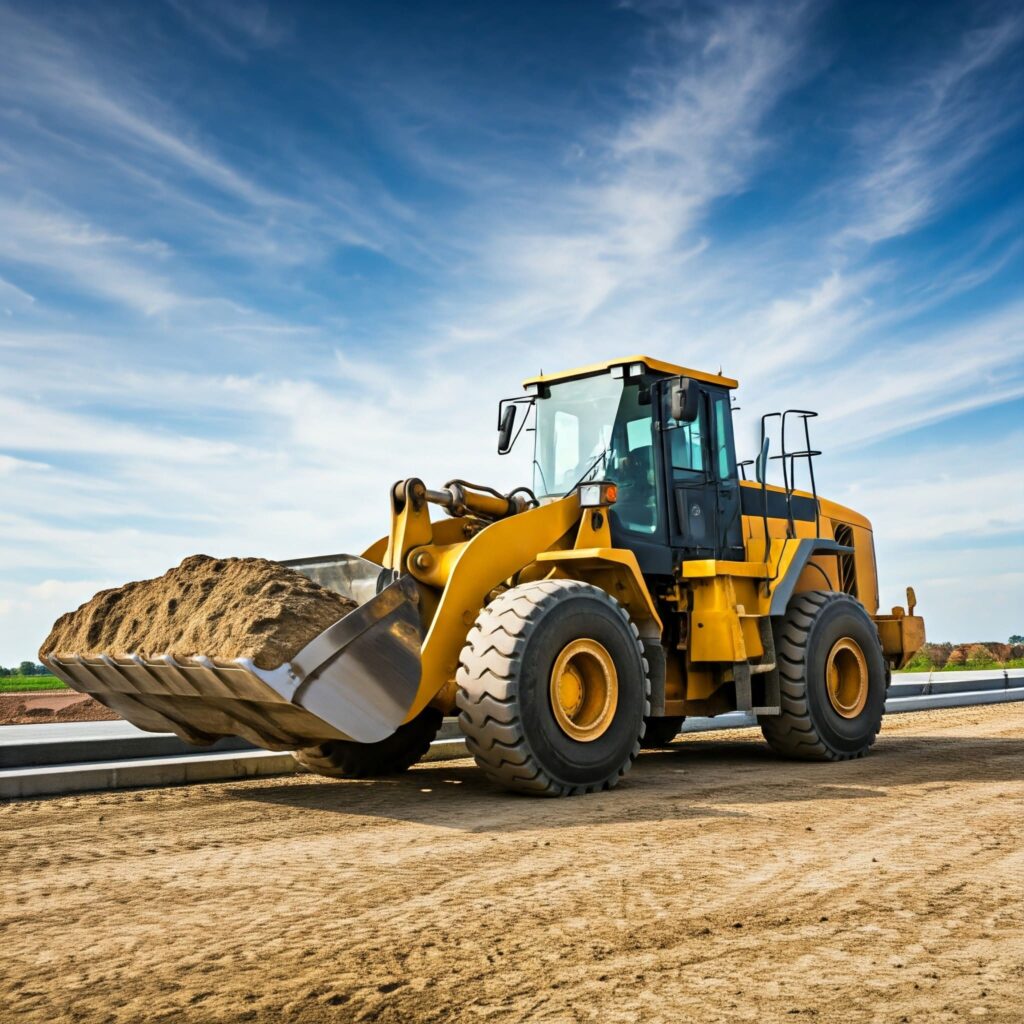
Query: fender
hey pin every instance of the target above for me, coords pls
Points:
(616, 571)
(805, 549)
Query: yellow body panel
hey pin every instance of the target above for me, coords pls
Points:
(901, 633)
(474, 568)
(715, 632)
(616, 570)
(823, 567)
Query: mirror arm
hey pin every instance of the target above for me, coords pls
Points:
(507, 434)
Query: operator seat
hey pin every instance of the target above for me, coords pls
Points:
(634, 475)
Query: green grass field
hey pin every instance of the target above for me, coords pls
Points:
(27, 684)
(988, 666)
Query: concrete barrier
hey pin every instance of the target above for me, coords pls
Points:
(51, 780)
(47, 760)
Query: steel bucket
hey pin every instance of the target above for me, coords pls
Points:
(355, 680)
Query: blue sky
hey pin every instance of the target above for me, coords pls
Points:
(259, 261)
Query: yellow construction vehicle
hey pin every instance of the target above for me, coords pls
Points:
(641, 579)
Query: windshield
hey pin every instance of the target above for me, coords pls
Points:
(574, 427)
(598, 428)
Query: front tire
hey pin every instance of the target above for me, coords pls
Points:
(346, 759)
(832, 677)
(553, 689)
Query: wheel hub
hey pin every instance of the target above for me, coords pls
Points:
(846, 678)
(584, 690)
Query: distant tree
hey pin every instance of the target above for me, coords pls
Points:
(4, 672)
(27, 668)
(1017, 639)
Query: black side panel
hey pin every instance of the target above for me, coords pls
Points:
(695, 517)
(653, 556)
(752, 503)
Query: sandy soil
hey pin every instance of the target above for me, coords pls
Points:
(221, 607)
(51, 706)
(715, 884)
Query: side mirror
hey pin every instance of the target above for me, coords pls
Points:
(685, 401)
(506, 424)
(761, 467)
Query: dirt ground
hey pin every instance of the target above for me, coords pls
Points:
(715, 884)
(45, 706)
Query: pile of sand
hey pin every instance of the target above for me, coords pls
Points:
(18, 712)
(223, 608)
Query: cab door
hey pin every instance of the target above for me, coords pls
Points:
(690, 487)
(702, 485)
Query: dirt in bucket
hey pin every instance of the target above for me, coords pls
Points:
(220, 607)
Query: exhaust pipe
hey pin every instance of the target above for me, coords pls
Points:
(356, 680)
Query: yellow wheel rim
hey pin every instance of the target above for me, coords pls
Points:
(584, 690)
(846, 676)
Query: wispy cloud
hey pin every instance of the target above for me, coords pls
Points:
(233, 28)
(633, 217)
(915, 151)
(75, 253)
(11, 293)
(45, 70)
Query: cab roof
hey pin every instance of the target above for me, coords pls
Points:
(653, 365)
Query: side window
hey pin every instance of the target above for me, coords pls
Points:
(632, 466)
(725, 453)
(638, 433)
(687, 448)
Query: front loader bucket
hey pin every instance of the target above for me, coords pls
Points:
(355, 680)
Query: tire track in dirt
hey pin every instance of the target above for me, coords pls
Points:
(717, 883)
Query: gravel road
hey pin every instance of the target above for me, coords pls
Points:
(717, 883)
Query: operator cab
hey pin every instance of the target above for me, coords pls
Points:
(677, 481)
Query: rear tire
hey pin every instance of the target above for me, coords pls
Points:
(346, 759)
(660, 732)
(832, 677)
(524, 730)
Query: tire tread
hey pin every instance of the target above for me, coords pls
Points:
(793, 733)
(346, 759)
(488, 687)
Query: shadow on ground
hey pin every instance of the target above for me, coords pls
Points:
(690, 781)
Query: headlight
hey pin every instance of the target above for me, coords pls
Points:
(598, 493)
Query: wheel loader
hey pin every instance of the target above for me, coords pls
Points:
(640, 579)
